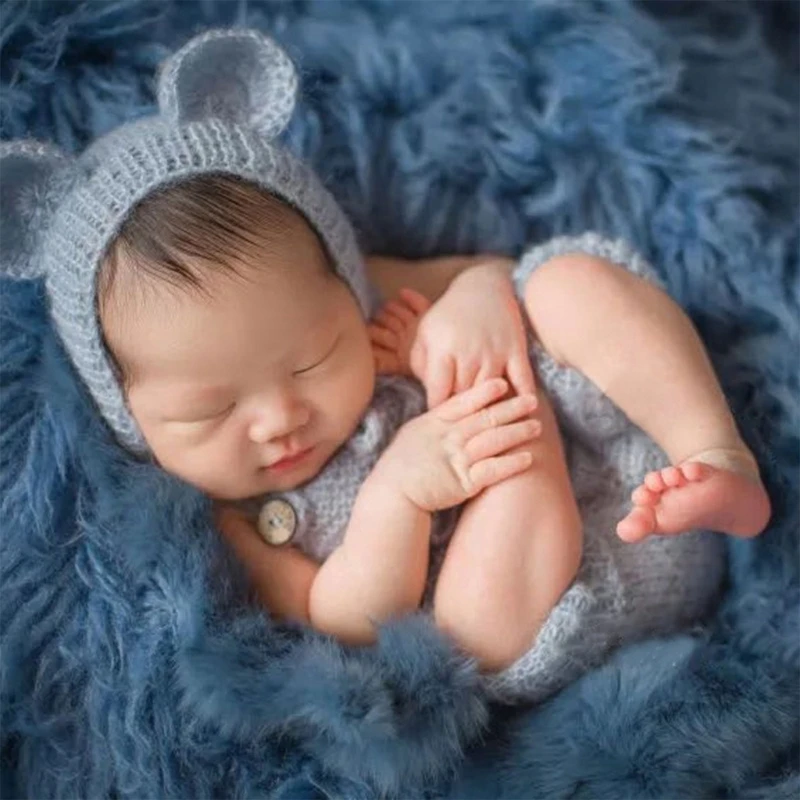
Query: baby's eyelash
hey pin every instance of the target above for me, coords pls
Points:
(225, 411)
(308, 369)
(316, 364)
(209, 418)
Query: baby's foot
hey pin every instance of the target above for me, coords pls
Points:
(727, 496)
(393, 330)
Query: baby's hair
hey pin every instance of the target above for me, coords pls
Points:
(212, 220)
(187, 230)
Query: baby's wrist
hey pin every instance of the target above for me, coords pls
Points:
(390, 476)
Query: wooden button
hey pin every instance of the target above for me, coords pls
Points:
(277, 522)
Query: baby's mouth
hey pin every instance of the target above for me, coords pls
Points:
(290, 461)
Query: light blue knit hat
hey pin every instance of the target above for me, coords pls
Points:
(223, 98)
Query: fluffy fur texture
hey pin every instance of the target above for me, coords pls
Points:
(129, 667)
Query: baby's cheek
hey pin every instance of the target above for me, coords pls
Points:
(175, 453)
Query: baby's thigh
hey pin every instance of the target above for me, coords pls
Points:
(516, 548)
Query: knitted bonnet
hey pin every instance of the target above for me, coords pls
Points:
(223, 99)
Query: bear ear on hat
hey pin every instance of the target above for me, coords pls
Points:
(240, 76)
(27, 192)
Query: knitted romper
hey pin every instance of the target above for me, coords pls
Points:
(622, 591)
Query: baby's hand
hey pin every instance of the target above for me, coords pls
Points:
(472, 333)
(393, 330)
(452, 452)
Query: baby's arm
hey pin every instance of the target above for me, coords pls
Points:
(379, 570)
(281, 576)
(436, 461)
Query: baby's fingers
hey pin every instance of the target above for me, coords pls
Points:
(439, 385)
(416, 301)
(520, 373)
(465, 403)
(493, 416)
(402, 312)
(498, 440)
(493, 470)
(466, 374)
(382, 337)
(385, 319)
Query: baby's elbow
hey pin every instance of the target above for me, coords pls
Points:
(329, 614)
(345, 629)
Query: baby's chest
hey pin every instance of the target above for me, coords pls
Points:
(314, 516)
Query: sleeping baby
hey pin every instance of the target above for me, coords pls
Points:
(364, 463)
(205, 272)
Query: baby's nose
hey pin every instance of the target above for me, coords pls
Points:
(278, 424)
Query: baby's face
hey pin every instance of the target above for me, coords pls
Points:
(227, 384)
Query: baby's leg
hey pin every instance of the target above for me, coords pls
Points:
(641, 350)
(515, 550)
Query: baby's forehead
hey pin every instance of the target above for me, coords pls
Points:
(297, 296)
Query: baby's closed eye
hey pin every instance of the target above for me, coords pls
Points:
(321, 360)
(200, 417)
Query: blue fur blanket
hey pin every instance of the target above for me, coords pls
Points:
(130, 666)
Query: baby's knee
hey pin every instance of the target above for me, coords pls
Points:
(553, 298)
(561, 275)
(568, 272)
(575, 300)
(494, 640)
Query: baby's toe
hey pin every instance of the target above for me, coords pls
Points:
(696, 470)
(638, 525)
(672, 477)
(654, 482)
(642, 496)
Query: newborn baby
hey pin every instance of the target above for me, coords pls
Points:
(213, 301)
(205, 272)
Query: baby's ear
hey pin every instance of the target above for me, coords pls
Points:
(237, 75)
(27, 169)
